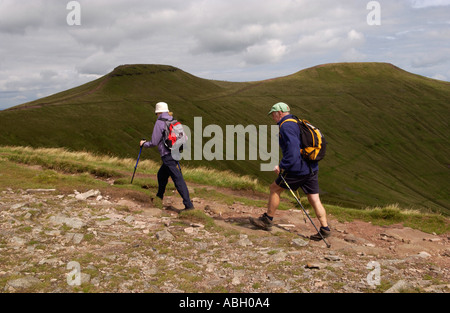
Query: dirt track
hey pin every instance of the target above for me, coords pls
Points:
(123, 244)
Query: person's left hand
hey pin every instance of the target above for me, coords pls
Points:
(142, 142)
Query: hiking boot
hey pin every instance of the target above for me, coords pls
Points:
(263, 222)
(325, 234)
(188, 209)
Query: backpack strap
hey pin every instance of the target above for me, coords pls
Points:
(288, 120)
(297, 122)
(166, 129)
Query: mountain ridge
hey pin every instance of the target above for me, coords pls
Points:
(141, 69)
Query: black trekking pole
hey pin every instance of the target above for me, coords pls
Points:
(298, 201)
(139, 156)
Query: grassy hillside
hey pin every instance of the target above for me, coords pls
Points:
(387, 129)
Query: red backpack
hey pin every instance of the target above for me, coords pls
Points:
(174, 136)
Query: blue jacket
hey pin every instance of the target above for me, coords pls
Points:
(290, 143)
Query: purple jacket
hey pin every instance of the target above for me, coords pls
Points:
(157, 135)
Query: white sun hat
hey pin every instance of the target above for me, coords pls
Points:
(161, 107)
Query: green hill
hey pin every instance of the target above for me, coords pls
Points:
(387, 129)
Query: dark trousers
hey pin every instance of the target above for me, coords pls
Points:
(171, 168)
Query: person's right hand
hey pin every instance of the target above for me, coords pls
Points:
(277, 170)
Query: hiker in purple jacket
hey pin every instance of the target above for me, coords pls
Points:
(170, 167)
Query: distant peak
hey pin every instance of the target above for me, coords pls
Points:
(140, 69)
(356, 65)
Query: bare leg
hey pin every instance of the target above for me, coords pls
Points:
(274, 199)
(321, 214)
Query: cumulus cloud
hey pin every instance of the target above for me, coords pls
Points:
(96, 64)
(267, 52)
(434, 58)
(439, 77)
(420, 4)
(354, 35)
(16, 19)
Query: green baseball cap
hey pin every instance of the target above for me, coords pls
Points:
(280, 107)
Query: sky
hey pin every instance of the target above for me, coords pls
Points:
(48, 46)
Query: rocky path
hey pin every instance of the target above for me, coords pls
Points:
(93, 242)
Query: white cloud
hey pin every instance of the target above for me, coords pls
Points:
(97, 64)
(353, 55)
(355, 36)
(268, 52)
(16, 19)
(439, 77)
(213, 40)
(420, 4)
(433, 58)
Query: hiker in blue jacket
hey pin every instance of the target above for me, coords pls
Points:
(170, 167)
(297, 172)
